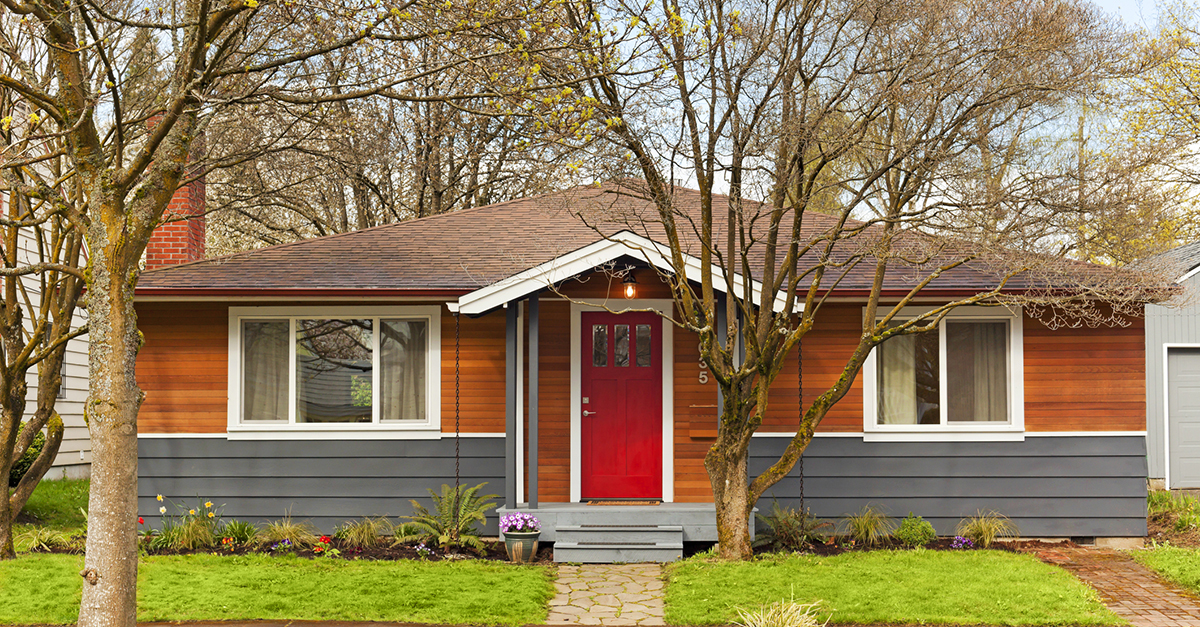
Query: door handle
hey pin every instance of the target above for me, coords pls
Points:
(588, 413)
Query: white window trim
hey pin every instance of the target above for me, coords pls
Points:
(428, 429)
(1013, 430)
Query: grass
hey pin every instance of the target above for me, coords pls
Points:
(57, 504)
(968, 587)
(1178, 565)
(46, 589)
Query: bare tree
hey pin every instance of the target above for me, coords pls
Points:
(124, 158)
(879, 144)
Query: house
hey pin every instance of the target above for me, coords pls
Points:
(332, 379)
(1173, 375)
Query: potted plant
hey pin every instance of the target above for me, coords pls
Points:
(520, 533)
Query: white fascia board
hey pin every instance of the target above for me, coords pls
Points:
(1189, 274)
(584, 259)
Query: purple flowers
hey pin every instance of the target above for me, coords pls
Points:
(961, 543)
(517, 522)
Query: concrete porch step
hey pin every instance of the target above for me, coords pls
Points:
(609, 543)
(616, 552)
(626, 534)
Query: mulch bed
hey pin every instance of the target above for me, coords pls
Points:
(493, 551)
(1161, 528)
(836, 547)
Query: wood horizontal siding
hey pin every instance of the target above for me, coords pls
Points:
(183, 367)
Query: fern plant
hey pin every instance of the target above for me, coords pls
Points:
(452, 523)
(788, 529)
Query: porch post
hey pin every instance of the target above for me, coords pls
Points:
(510, 405)
(532, 309)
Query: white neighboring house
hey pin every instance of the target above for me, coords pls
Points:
(74, 460)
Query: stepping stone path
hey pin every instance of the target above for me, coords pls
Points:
(1129, 589)
(608, 594)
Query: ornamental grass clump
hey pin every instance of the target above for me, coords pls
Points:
(984, 528)
(238, 532)
(915, 531)
(191, 529)
(45, 539)
(517, 522)
(782, 614)
(789, 529)
(367, 533)
(288, 532)
(451, 524)
(869, 526)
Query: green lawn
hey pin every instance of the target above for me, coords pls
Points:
(57, 504)
(1178, 565)
(969, 587)
(45, 589)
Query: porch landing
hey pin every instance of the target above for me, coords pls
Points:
(601, 534)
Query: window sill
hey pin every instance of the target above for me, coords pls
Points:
(334, 432)
(1006, 434)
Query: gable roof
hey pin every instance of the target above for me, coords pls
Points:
(1182, 261)
(464, 251)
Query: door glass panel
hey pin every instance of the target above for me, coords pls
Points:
(642, 345)
(621, 347)
(600, 345)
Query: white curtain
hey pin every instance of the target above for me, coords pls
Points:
(977, 360)
(264, 370)
(403, 345)
(898, 381)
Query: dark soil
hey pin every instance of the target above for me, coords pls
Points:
(1161, 528)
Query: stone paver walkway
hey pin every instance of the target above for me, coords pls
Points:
(608, 594)
(1129, 589)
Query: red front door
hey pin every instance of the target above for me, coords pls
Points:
(621, 434)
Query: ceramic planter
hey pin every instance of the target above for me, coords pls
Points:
(521, 546)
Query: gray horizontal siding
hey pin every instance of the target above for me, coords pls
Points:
(325, 482)
(1166, 325)
(1052, 486)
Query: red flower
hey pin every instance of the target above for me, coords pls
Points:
(141, 521)
(326, 539)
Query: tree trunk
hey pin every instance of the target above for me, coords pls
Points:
(110, 564)
(727, 471)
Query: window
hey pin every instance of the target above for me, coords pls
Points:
(966, 375)
(351, 369)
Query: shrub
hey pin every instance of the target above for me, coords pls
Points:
(21, 466)
(915, 531)
(782, 614)
(239, 531)
(285, 530)
(869, 526)
(788, 529)
(985, 527)
(366, 533)
(443, 526)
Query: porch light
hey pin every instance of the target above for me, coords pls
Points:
(630, 284)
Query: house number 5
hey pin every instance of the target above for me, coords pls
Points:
(703, 371)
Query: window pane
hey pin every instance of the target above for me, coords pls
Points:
(333, 371)
(977, 371)
(264, 370)
(402, 349)
(643, 345)
(599, 345)
(621, 346)
(908, 380)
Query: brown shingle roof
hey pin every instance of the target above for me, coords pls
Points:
(468, 249)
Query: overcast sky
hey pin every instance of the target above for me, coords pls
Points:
(1132, 12)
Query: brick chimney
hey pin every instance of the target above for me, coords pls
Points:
(180, 237)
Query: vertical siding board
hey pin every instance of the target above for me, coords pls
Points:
(1166, 325)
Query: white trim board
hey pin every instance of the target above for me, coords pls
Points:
(664, 307)
(624, 243)
(343, 435)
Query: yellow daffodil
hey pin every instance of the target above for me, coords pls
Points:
(210, 514)
(191, 512)
(159, 497)
(208, 503)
